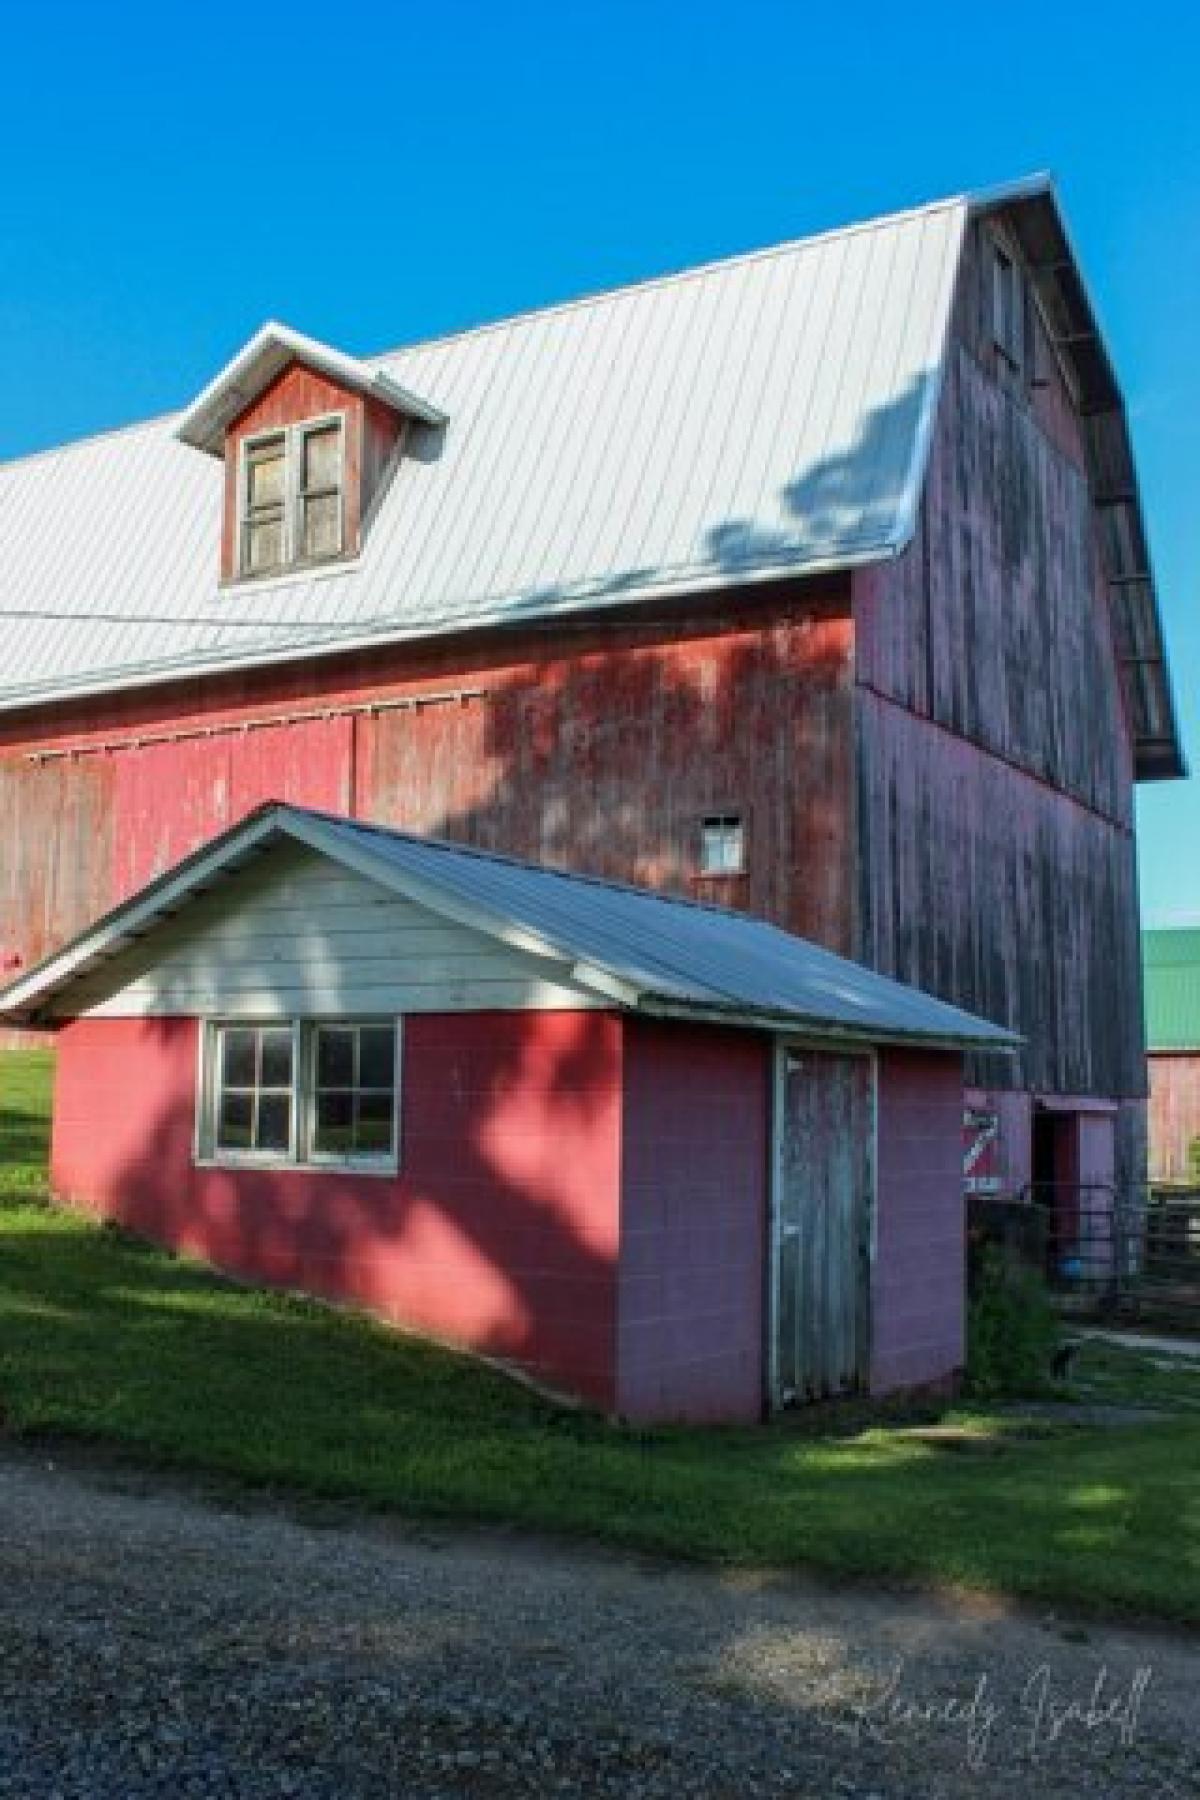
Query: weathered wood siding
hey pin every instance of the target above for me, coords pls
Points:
(997, 864)
(595, 747)
(56, 855)
(294, 936)
(1174, 1116)
(825, 1225)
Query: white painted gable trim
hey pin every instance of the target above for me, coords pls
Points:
(120, 930)
(271, 348)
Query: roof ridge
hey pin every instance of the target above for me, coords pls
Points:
(575, 302)
(131, 426)
(672, 277)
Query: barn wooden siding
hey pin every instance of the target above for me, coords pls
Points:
(997, 860)
(1174, 1115)
(598, 749)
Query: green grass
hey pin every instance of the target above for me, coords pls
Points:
(1107, 1373)
(25, 1090)
(104, 1339)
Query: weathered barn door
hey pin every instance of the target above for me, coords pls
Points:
(823, 1224)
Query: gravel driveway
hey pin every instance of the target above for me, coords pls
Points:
(159, 1640)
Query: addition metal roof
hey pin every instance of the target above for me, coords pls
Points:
(637, 950)
(763, 416)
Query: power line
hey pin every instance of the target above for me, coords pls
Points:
(225, 622)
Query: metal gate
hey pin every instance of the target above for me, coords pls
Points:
(1131, 1252)
(824, 1181)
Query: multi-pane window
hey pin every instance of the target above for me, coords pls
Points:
(293, 484)
(304, 1093)
(255, 1081)
(354, 1090)
(321, 491)
(722, 844)
(263, 525)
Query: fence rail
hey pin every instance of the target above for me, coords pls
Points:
(1101, 1251)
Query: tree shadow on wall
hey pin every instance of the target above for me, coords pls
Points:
(498, 1233)
(604, 763)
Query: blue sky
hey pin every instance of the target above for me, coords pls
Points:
(169, 176)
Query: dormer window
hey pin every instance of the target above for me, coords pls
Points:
(292, 496)
(310, 439)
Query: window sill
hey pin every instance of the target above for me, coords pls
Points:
(285, 1165)
(319, 570)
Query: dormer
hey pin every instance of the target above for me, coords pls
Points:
(309, 438)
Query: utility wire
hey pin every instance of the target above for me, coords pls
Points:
(225, 622)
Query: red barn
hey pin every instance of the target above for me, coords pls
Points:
(814, 582)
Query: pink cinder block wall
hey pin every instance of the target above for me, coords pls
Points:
(919, 1295)
(499, 1233)
(694, 1211)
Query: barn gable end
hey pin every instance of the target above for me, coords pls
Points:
(996, 752)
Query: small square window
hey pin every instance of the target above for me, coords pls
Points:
(722, 844)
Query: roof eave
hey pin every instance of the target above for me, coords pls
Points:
(1032, 213)
(25, 1000)
(370, 635)
(792, 1022)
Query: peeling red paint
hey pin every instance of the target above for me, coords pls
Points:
(601, 756)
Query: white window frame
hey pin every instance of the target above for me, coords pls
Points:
(212, 1089)
(299, 1156)
(324, 1159)
(293, 437)
(723, 819)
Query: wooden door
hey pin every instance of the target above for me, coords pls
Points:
(823, 1225)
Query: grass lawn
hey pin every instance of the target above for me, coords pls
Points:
(102, 1338)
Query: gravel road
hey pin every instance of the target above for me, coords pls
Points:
(158, 1638)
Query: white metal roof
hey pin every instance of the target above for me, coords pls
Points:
(763, 416)
(645, 952)
(754, 417)
(269, 351)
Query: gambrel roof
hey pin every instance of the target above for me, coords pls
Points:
(626, 946)
(764, 416)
